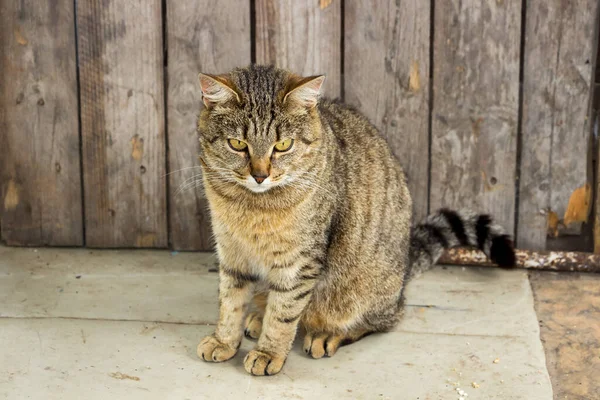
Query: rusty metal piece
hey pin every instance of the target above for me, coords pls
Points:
(541, 260)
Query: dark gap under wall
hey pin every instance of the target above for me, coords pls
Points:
(430, 119)
(342, 49)
(75, 30)
(253, 31)
(166, 115)
(520, 114)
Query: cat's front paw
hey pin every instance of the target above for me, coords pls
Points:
(262, 363)
(211, 349)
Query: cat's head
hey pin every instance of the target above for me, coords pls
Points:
(259, 128)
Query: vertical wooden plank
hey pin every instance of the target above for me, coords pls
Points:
(122, 118)
(40, 183)
(386, 66)
(202, 36)
(557, 88)
(302, 36)
(595, 120)
(475, 106)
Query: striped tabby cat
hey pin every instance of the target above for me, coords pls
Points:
(312, 219)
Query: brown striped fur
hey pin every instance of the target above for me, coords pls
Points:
(326, 244)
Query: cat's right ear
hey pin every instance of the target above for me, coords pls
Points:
(215, 90)
(305, 91)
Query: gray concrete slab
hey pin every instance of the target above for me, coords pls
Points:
(471, 301)
(95, 337)
(143, 285)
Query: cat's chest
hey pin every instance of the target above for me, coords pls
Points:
(259, 233)
(247, 225)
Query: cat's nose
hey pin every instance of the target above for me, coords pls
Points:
(260, 168)
(260, 178)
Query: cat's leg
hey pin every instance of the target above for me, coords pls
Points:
(322, 344)
(325, 333)
(254, 320)
(290, 292)
(235, 292)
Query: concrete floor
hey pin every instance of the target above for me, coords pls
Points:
(81, 324)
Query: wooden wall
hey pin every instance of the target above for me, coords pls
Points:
(485, 103)
(40, 174)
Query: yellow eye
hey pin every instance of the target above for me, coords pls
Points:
(237, 145)
(284, 145)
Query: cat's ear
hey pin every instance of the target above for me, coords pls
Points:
(216, 90)
(306, 91)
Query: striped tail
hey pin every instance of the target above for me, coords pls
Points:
(447, 228)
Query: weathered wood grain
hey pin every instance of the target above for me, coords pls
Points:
(122, 118)
(557, 88)
(202, 36)
(386, 61)
(40, 183)
(303, 36)
(475, 106)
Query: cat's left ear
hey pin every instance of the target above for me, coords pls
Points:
(306, 92)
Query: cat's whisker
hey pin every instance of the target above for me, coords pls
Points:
(195, 182)
(181, 169)
(186, 187)
(213, 168)
(188, 180)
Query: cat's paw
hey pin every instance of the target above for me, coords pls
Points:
(253, 325)
(321, 344)
(262, 363)
(211, 349)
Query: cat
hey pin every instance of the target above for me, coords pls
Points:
(312, 219)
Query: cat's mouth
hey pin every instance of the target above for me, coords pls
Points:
(251, 184)
(269, 183)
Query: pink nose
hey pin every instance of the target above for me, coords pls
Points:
(260, 178)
